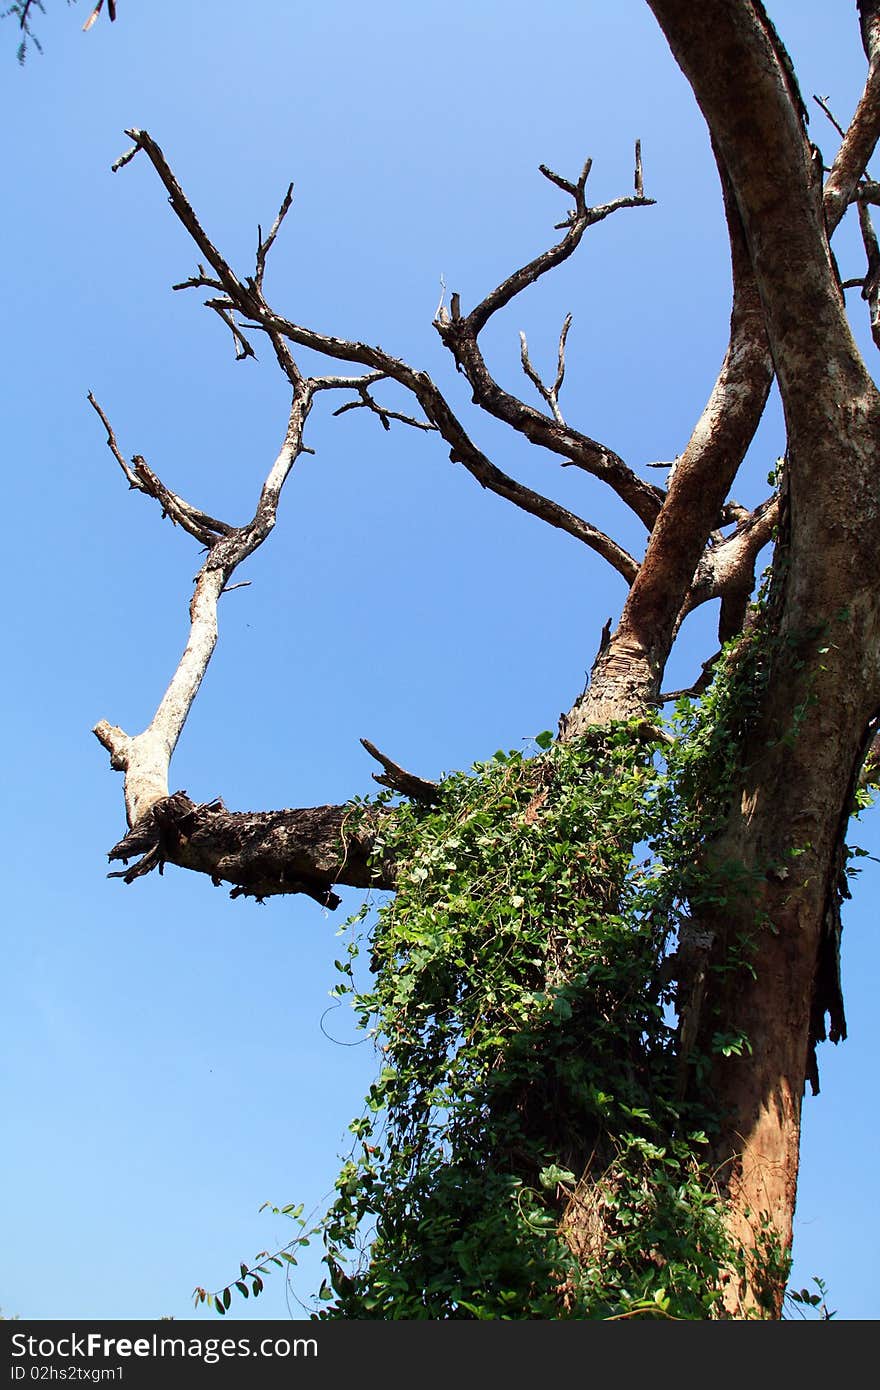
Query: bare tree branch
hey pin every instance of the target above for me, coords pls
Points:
(871, 282)
(579, 219)
(869, 25)
(822, 102)
(260, 853)
(727, 569)
(247, 299)
(627, 673)
(111, 10)
(199, 524)
(264, 247)
(184, 211)
(226, 312)
(145, 757)
(701, 479)
(857, 148)
(399, 780)
(459, 334)
(366, 402)
(549, 393)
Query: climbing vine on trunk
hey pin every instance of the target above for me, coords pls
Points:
(532, 1146)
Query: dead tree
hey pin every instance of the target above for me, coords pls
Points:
(820, 700)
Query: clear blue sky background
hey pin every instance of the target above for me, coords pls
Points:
(168, 1060)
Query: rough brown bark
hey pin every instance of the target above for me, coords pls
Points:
(260, 853)
(800, 762)
(625, 680)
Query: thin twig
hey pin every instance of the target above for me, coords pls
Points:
(199, 282)
(111, 11)
(823, 103)
(124, 159)
(560, 356)
(385, 416)
(206, 529)
(549, 393)
(247, 300)
(639, 180)
(264, 247)
(225, 310)
(112, 443)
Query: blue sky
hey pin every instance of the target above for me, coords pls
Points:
(169, 1063)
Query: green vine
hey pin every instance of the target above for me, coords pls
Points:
(523, 1152)
(526, 1151)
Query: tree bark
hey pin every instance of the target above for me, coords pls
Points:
(260, 853)
(800, 762)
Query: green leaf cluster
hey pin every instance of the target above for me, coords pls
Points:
(522, 1152)
(525, 1150)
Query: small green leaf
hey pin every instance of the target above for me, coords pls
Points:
(545, 739)
(553, 1175)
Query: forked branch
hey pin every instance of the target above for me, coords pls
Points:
(549, 393)
(199, 524)
(460, 334)
(145, 757)
(245, 297)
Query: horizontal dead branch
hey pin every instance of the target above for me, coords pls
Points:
(366, 402)
(261, 854)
